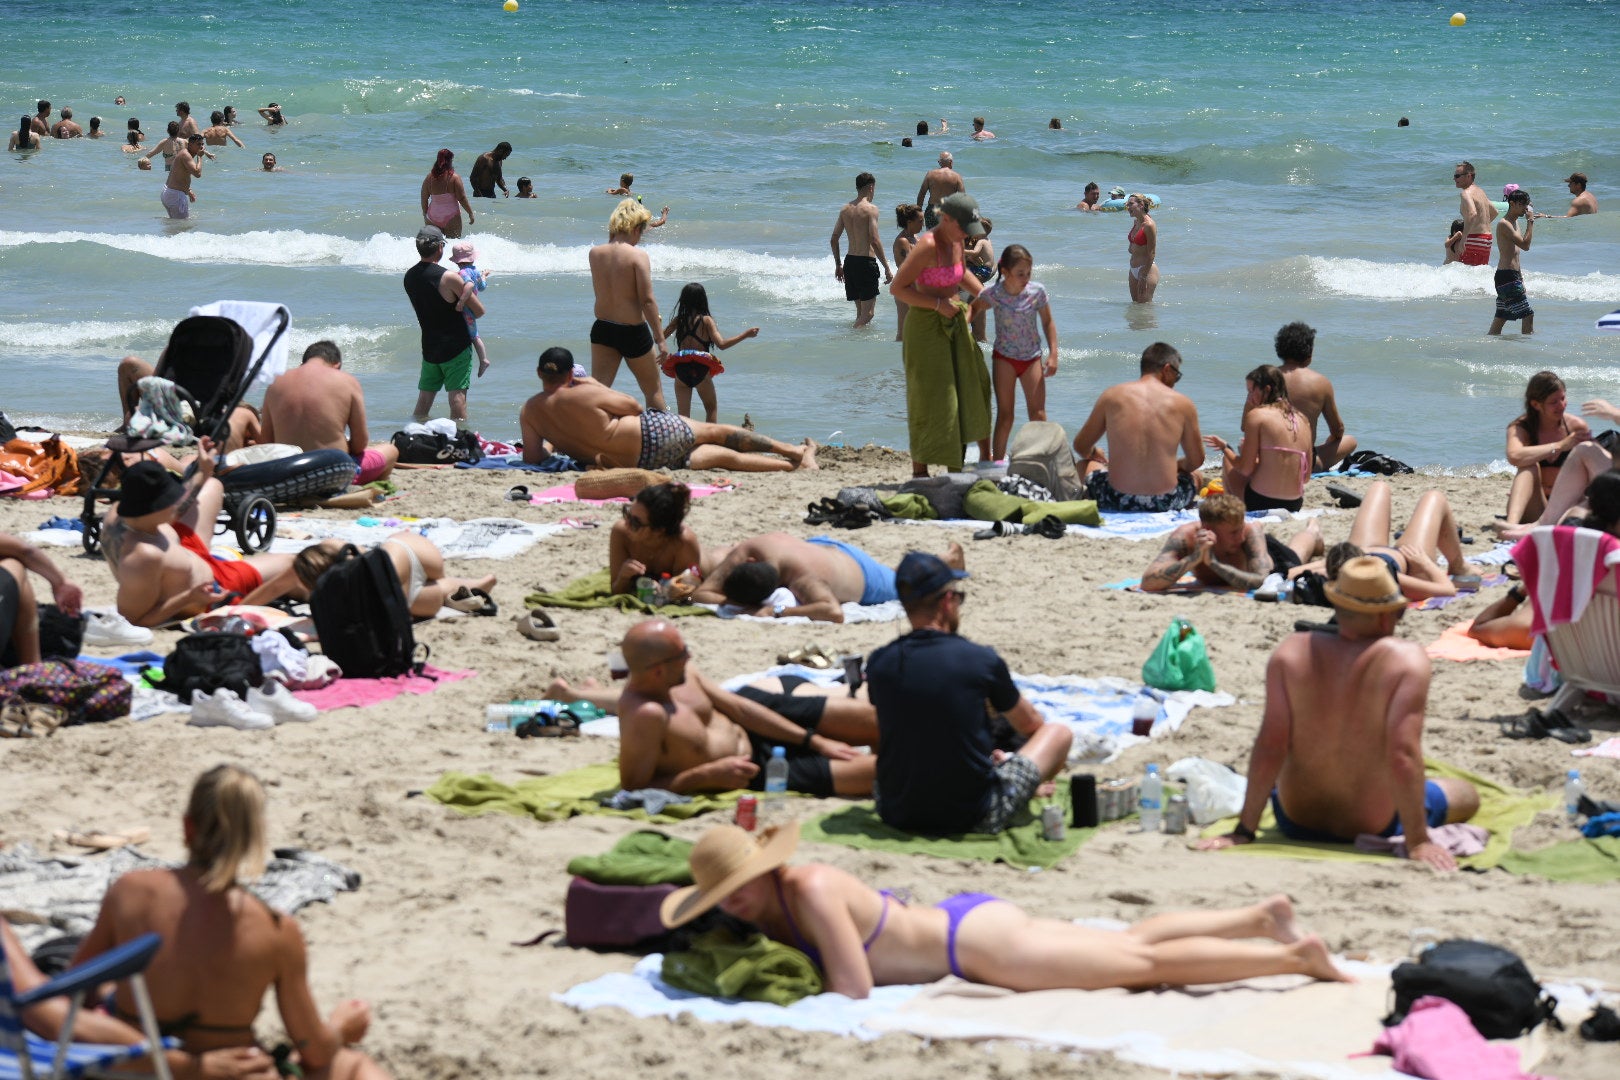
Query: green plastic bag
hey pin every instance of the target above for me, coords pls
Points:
(1179, 661)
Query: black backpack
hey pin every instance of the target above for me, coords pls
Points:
(211, 660)
(362, 618)
(1489, 983)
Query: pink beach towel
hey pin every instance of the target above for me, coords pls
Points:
(1455, 644)
(565, 493)
(357, 692)
(1438, 1041)
(1562, 566)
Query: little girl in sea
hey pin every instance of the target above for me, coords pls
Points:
(1018, 304)
(696, 338)
(464, 255)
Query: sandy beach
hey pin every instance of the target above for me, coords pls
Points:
(427, 937)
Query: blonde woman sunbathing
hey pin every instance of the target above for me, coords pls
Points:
(861, 938)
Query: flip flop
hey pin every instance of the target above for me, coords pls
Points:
(537, 625)
(105, 841)
(517, 493)
(811, 656)
(1467, 582)
(1348, 500)
(1555, 725)
(472, 601)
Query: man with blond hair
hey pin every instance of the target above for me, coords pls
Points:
(1226, 550)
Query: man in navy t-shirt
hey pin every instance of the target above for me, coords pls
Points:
(939, 771)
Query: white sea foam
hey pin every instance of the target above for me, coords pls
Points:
(1418, 281)
(57, 337)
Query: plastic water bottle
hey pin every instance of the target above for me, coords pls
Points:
(1573, 790)
(776, 771)
(1151, 802)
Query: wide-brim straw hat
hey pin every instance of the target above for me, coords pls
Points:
(724, 860)
(1365, 584)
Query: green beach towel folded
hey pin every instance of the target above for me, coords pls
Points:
(555, 798)
(755, 968)
(645, 857)
(1501, 811)
(1020, 845)
(911, 506)
(596, 591)
(986, 502)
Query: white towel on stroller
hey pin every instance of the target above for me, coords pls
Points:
(260, 320)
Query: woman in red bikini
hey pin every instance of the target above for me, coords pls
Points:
(1143, 244)
(861, 938)
(947, 386)
(1270, 468)
(1538, 443)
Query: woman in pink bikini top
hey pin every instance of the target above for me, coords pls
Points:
(1271, 467)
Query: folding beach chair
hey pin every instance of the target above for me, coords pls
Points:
(1569, 576)
(25, 1056)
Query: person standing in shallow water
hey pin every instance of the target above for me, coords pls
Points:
(859, 270)
(444, 197)
(1143, 244)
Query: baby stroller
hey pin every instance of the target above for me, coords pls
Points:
(210, 360)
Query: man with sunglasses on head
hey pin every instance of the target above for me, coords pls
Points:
(682, 732)
(1145, 422)
(1477, 214)
(938, 697)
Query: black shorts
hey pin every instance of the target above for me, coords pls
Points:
(808, 771)
(483, 193)
(10, 599)
(860, 278)
(1253, 500)
(1283, 557)
(631, 342)
(805, 711)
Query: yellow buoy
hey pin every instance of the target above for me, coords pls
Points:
(1458, 19)
(512, 5)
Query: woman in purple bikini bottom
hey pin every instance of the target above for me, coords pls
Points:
(861, 937)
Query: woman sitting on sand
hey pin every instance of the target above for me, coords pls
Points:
(1539, 442)
(1270, 468)
(420, 566)
(653, 539)
(223, 947)
(861, 938)
(1431, 530)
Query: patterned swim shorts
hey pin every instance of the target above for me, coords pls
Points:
(1099, 489)
(1015, 782)
(666, 441)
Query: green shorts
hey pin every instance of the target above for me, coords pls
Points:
(453, 374)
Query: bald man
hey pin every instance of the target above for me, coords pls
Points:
(936, 185)
(680, 731)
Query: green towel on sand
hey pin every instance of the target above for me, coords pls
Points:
(986, 502)
(1575, 860)
(644, 857)
(912, 506)
(1501, 810)
(554, 798)
(596, 591)
(754, 969)
(1019, 845)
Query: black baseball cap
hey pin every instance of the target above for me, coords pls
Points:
(921, 575)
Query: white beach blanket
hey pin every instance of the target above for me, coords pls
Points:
(1135, 526)
(1280, 1024)
(853, 613)
(479, 538)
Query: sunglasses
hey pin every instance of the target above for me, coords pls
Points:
(635, 523)
(1458, 175)
(1177, 369)
(684, 654)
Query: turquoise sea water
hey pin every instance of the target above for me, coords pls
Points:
(1268, 129)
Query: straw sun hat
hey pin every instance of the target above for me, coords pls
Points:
(1365, 584)
(723, 861)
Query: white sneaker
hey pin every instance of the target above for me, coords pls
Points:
(103, 628)
(224, 709)
(277, 702)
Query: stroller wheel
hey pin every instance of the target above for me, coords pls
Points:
(92, 536)
(255, 524)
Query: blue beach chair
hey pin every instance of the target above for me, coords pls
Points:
(25, 1056)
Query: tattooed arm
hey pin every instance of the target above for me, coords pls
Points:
(1182, 551)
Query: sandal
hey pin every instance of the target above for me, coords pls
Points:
(1348, 500)
(1552, 724)
(21, 719)
(105, 841)
(472, 601)
(517, 493)
(823, 511)
(537, 625)
(811, 656)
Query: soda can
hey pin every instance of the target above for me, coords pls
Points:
(1052, 822)
(747, 812)
(1083, 793)
(1175, 814)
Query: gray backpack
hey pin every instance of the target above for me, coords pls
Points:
(1041, 451)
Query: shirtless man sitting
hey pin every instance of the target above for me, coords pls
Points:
(1311, 393)
(319, 406)
(602, 427)
(1222, 548)
(1340, 747)
(823, 575)
(936, 185)
(1146, 422)
(681, 732)
(161, 560)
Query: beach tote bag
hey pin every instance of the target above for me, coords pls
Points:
(90, 693)
(1180, 661)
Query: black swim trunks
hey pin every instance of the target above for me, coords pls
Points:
(804, 710)
(1253, 500)
(1102, 492)
(808, 771)
(631, 342)
(1283, 557)
(860, 278)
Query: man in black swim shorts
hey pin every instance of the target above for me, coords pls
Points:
(859, 271)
